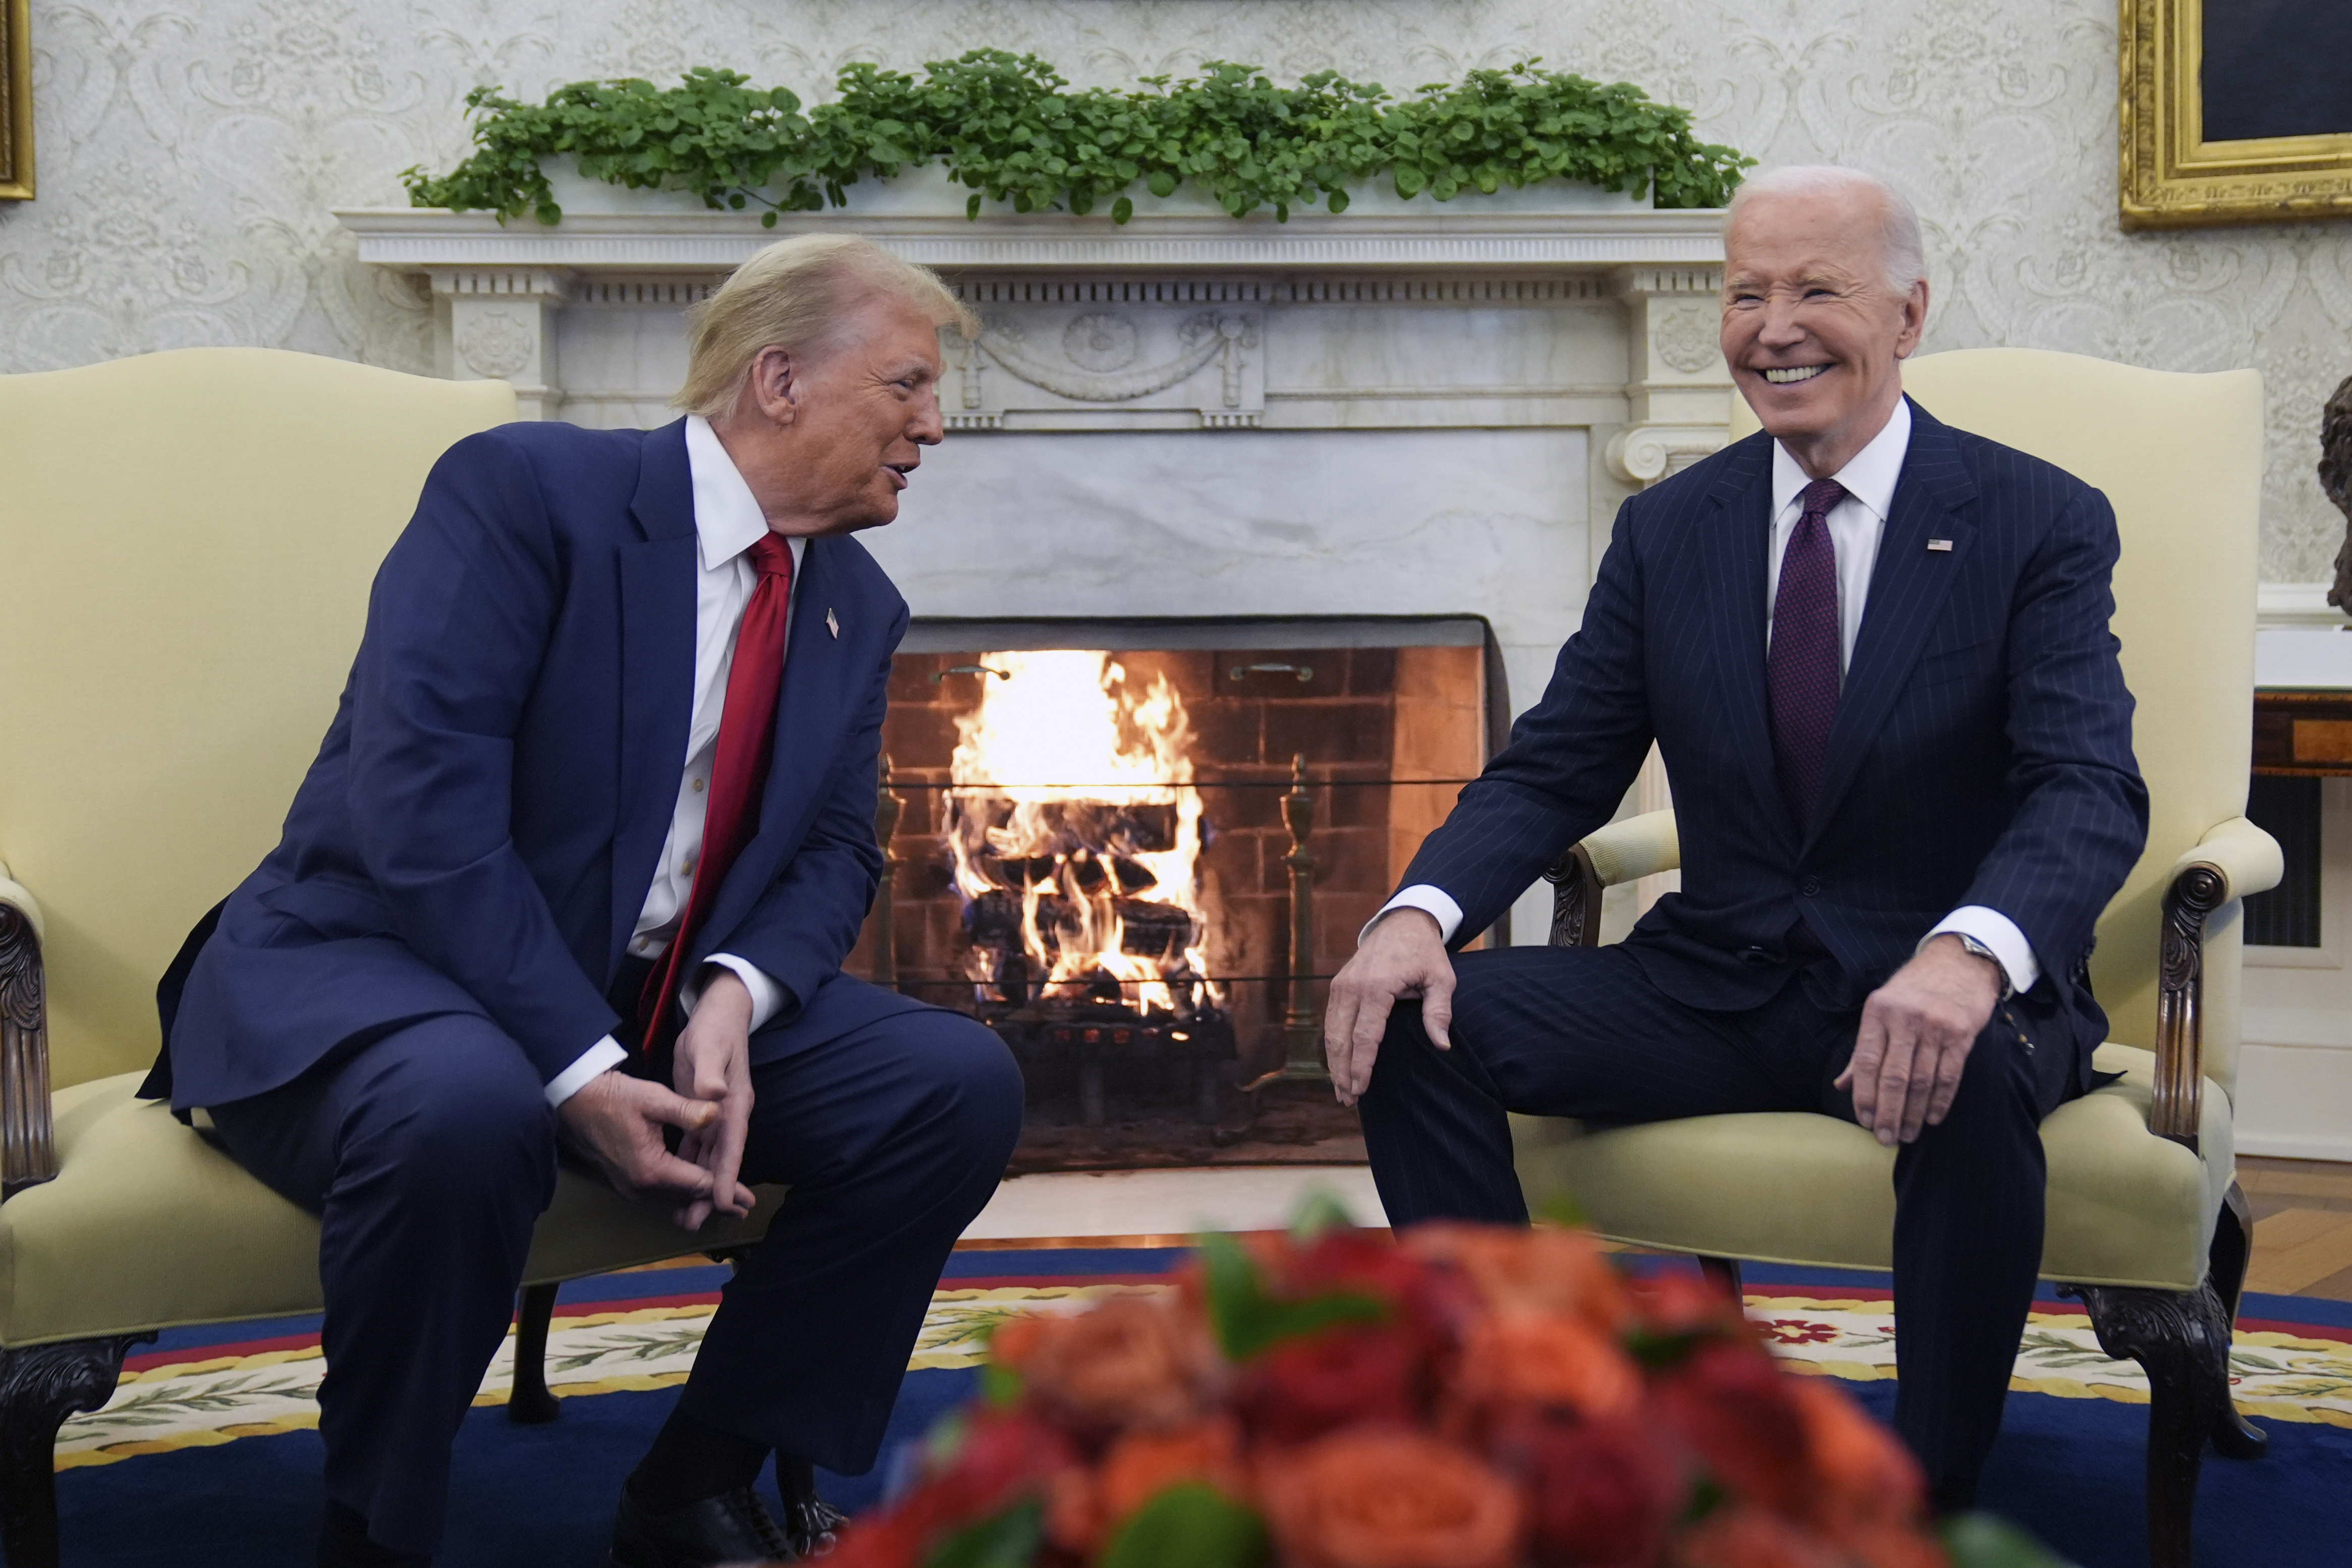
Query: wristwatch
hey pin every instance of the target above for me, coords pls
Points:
(1981, 951)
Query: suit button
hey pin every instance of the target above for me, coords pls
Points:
(1811, 886)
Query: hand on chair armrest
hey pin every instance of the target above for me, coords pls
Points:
(2248, 860)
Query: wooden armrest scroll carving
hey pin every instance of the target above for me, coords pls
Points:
(28, 1153)
(1575, 900)
(2196, 892)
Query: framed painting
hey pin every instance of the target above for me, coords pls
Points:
(2236, 111)
(15, 101)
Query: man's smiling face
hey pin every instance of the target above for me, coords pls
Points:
(1814, 335)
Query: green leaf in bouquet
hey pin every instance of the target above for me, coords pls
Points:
(1249, 1322)
(1987, 1541)
(1706, 1495)
(1008, 1541)
(999, 1386)
(1188, 1525)
(1320, 1209)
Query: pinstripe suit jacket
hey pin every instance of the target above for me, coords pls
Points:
(1981, 752)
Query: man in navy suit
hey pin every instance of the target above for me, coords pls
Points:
(1873, 653)
(606, 759)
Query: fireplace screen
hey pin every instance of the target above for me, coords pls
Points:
(1138, 850)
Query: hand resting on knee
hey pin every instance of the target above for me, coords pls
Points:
(1913, 1042)
(1402, 956)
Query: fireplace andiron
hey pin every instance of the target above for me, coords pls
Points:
(1302, 1042)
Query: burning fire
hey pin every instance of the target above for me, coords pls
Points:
(1071, 805)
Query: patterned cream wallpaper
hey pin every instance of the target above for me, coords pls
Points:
(190, 151)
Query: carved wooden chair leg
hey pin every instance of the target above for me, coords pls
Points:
(528, 1402)
(1723, 1273)
(40, 1385)
(2182, 1341)
(2234, 1436)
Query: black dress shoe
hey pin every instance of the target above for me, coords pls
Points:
(733, 1527)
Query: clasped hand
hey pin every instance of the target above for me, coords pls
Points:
(617, 1121)
(1915, 1034)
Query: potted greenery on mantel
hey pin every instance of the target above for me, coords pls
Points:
(1008, 128)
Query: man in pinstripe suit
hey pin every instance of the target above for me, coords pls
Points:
(1873, 652)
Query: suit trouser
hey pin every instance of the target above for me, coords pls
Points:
(429, 1152)
(1584, 1033)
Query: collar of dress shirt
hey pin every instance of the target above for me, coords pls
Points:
(726, 516)
(1869, 478)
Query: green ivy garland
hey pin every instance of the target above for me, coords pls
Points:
(1006, 126)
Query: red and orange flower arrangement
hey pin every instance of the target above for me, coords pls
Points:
(1470, 1397)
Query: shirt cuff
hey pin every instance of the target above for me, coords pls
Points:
(767, 996)
(603, 1056)
(1999, 933)
(1428, 898)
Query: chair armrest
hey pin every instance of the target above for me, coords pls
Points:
(2247, 859)
(2233, 859)
(28, 1153)
(1638, 846)
(15, 894)
(1622, 852)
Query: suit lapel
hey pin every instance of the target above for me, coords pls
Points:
(1908, 585)
(1735, 542)
(657, 577)
(809, 718)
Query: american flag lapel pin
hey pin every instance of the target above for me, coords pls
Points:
(1939, 544)
(832, 624)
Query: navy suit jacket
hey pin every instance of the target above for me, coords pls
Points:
(481, 826)
(1982, 752)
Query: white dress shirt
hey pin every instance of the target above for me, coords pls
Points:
(727, 523)
(1856, 525)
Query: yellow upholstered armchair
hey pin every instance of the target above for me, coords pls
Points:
(2147, 1224)
(186, 542)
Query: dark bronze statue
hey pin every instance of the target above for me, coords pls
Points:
(2335, 478)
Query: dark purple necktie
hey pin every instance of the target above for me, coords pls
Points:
(1801, 672)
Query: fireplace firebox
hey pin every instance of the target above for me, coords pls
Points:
(1138, 849)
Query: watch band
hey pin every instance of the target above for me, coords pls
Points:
(1981, 951)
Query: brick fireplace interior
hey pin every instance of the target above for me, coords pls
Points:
(1387, 715)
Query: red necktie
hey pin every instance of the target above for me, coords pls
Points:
(1801, 672)
(738, 770)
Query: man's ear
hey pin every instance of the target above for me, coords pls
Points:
(772, 384)
(1915, 320)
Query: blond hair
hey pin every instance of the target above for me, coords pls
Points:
(799, 294)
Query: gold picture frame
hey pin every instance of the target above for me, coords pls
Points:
(15, 101)
(2171, 176)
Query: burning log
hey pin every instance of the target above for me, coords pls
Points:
(1076, 833)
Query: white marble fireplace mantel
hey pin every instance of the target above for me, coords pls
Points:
(1557, 306)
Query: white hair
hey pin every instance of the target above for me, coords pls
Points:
(1903, 255)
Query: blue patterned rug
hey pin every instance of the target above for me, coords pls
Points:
(207, 1457)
